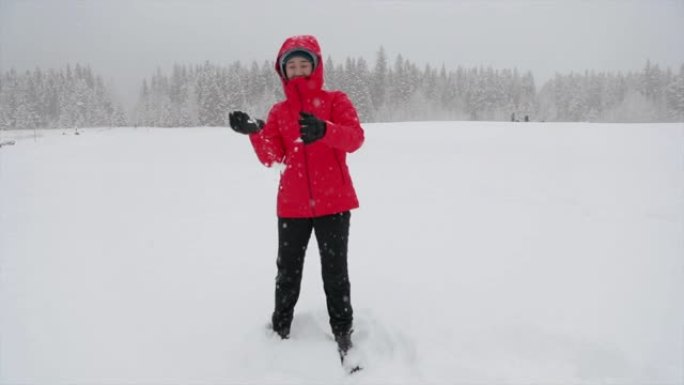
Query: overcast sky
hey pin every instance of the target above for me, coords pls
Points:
(125, 40)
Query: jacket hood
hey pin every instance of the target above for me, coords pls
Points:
(309, 83)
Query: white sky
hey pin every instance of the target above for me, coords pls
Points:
(125, 40)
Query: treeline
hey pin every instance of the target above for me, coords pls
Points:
(401, 91)
(203, 95)
(652, 95)
(68, 98)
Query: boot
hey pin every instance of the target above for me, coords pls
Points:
(283, 331)
(280, 326)
(350, 363)
(344, 343)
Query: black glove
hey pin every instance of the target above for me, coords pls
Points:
(311, 128)
(240, 122)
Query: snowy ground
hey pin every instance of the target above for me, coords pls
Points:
(484, 253)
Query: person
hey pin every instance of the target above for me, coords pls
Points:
(310, 132)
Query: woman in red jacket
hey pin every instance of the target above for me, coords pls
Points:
(311, 132)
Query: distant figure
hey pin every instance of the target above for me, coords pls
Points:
(513, 117)
(527, 118)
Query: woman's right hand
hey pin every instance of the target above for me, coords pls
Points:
(240, 122)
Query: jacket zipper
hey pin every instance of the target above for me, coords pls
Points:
(312, 202)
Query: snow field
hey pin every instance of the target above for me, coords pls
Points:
(483, 253)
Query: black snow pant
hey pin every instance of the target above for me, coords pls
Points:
(332, 235)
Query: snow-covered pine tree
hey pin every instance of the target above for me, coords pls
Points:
(142, 107)
(331, 75)
(356, 78)
(675, 96)
(235, 92)
(4, 110)
(27, 113)
(211, 108)
(527, 104)
(269, 91)
(379, 82)
(183, 97)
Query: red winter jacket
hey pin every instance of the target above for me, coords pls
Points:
(316, 180)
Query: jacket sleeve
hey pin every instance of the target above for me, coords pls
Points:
(267, 143)
(343, 130)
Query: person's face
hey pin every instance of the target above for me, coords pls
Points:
(298, 67)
